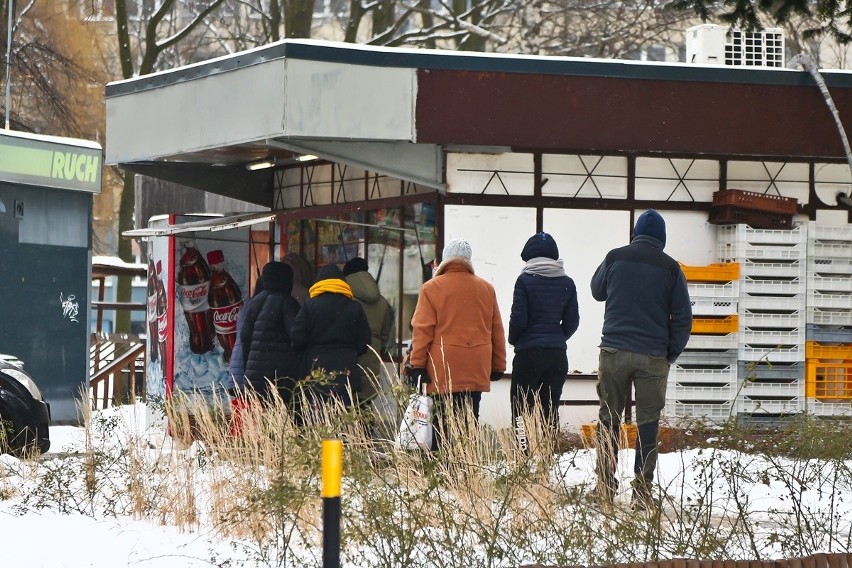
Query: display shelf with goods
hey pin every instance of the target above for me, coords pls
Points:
(339, 242)
(828, 334)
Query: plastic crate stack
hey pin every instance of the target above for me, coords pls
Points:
(772, 302)
(829, 320)
(702, 382)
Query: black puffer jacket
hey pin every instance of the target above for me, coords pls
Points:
(265, 332)
(330, 332)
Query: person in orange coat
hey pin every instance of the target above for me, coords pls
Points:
(457, 345)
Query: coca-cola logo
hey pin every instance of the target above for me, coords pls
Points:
(194, 292)
(225, 318)
(194, 298)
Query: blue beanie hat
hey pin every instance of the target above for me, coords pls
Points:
(651, 224)
(540, 245)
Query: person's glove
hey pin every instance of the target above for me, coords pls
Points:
(496, 375)
(416, 376)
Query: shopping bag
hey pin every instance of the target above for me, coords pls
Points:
(415, 428)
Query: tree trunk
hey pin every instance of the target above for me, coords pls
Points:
(298, 15)
(384, 16)
(356, 14)
(427, 21)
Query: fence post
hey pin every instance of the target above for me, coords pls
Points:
(332, 468)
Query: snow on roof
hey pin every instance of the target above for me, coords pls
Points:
(115, 262)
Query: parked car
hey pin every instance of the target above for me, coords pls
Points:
(24, 415)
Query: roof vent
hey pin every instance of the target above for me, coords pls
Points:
(709, 44)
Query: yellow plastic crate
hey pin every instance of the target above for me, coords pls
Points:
(729, 324)
(814, 350)
(626, 441)
(718, 272)
(828, 381)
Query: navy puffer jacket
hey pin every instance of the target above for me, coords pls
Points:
(544, 312)
(265, 335)
(647, 300)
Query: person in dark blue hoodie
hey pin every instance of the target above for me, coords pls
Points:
(544, 316)
(647, 322)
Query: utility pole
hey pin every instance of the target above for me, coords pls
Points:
(11, 8)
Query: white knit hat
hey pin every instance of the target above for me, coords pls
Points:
(457, 248)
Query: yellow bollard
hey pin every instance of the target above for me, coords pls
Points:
(332, 472)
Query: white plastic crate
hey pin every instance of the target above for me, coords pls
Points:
(742, 252)
(752, 371)
(685, 393)
(692, 376)
(830, 249)
(819, 408)
(703, 359)
(837, 300)
(713, 306)
(773, 303)
(762, 336)
(794, 389)
(834, 283)
(823, 265)
(788, 320)
(727, 290)
(716, 411)
(772, 353)
(714, 342)
(754, 406)
(772, 286)
(822, 316)
(791, 269)
(746, 234)
(817, 232)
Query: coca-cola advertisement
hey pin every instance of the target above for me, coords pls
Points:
(197, 284)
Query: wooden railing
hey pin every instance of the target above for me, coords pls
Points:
(117, 369)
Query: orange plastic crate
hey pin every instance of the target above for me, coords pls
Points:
(718, 272)
(626, 441)
(814, 350)
(724, 325)
(828, 380)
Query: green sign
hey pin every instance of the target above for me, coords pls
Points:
(50, 163)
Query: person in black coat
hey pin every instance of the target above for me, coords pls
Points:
(330, 333)
(544, 316)
(265, 333)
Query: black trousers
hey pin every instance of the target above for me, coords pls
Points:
(538, 376)
(440, 416)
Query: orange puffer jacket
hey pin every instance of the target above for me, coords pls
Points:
(457, 330)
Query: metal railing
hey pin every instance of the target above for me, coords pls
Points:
(117, 369)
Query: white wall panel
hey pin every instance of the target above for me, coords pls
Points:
(336, 100)
(776, 178)
(584, 176)
(490, 174)
(676, 179)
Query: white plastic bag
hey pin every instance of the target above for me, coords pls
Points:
(415, 428)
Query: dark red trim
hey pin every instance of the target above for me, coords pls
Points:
(617, 114)
(170, 343)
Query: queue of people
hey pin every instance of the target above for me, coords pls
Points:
(458, 341)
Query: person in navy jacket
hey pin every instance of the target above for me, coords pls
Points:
(544, 316)
(647, 322)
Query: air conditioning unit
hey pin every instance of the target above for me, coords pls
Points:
(720, 45)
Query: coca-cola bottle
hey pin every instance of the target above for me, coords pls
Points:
(193, 287)
(162, 317)
(153, 352)
(226, 299)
